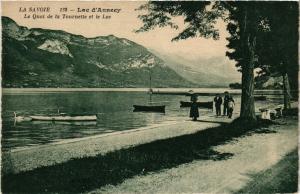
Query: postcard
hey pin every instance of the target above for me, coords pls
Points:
(149, 96)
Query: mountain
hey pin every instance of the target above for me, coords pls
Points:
(217, 71)
(53, 58)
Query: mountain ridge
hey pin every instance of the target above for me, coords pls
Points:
(39, 57)
(210, 72)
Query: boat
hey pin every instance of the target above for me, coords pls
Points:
(72, 123)
(149, 108)
(208, 105)
(64, 117)
(260, 98)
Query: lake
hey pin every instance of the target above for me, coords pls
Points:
(114, 109)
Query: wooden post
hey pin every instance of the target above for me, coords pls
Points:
(286, 92)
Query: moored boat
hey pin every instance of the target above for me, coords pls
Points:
(149, 108)
(208, 105)
(260, 98)
(73, 123)
(63, 117)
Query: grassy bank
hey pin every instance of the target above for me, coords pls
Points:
(85, 174)
(280, 178)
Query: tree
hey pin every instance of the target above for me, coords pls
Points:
(244, 23)
(278, 48)
(243, 30)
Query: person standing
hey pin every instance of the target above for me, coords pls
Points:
(218, 102)
(225, 104)
(230, 107)
(194, 112)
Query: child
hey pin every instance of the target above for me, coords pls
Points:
(230, 107)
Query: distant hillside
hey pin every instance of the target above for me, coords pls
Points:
(210, 72)
(52, 58)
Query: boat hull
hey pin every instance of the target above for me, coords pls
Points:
(260, 98)
(208, 105)
(72, 123)
(149, 108)
(64, 118)
(21, 119)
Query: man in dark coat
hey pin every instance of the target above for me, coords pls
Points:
(225, 104)
(218, 102)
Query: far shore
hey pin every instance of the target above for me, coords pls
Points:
(205, 90)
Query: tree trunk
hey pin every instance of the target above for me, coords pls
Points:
(247, 102)
(286, 92)
(247, 114)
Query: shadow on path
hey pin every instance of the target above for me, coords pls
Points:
(280, 178)
(86, 174)
(206, 121)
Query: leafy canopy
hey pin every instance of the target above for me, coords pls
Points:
(198, 18)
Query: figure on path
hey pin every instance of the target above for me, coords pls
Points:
(230, 107)
(225, 104)
(194, 112)
(218, 102)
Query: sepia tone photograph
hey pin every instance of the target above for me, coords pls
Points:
(149, 96)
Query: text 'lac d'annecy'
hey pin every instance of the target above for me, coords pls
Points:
(89, 10)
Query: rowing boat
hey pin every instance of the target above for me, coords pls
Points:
(200, 104)
(260, 98)
(72, 123)
(149, 108)
(64, 117)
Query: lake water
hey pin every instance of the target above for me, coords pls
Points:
(113, 108)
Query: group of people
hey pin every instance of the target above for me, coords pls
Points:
(228, 105)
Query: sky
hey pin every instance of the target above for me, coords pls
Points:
(120, 24)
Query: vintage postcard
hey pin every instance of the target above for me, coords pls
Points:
(149, 96)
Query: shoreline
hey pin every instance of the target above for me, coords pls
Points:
(67, 149)
(75, 140)
(59, 152)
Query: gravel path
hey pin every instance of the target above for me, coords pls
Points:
(251, 154)
(50, 154)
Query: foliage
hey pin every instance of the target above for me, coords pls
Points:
(198, 19)
(278, 48)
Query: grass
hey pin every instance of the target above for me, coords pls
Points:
(85, 174)
(280, 178)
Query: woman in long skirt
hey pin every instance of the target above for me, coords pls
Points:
(194, 112)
